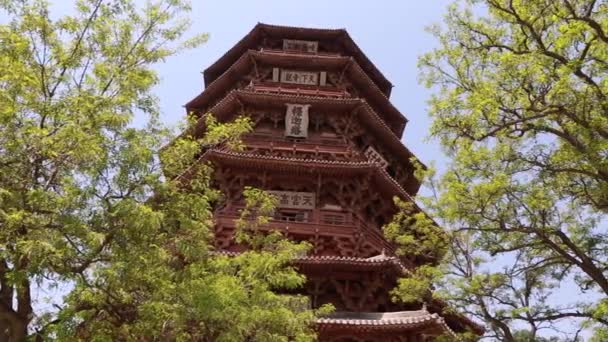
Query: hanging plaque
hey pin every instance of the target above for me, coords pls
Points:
(294, 200)
(300, 45)
(299, 77)
(375, 157)
(296, 120)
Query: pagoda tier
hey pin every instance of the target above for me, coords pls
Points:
(402, 326)
(337, 185)
(326, 143)
(261, 69)
(272, 37)
(349, 124)
(338, 280)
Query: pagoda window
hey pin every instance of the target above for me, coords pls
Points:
(335, 218)
(291, 215)
(275, 74)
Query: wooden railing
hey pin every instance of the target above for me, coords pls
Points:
(298, 89)
(298, 52)
(313, 146)
(316, 221)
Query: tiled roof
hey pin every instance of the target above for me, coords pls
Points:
(249, 41)
(297, 164)
(378, 261)
(401, 320)
(368, 114)
(308, 163)
(245, 61)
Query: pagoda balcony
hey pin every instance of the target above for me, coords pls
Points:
(298, 89)
(313, 148)
(300, 52)
(316, 222)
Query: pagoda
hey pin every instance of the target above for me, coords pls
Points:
(327, 143)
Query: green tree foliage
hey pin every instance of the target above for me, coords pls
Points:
(422, 241)
(521, 106)
(84, 203)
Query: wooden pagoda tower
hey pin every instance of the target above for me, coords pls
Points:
(327, 143)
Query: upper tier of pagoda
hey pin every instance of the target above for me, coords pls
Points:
(366, 125)
(330, 42)
(275, 57)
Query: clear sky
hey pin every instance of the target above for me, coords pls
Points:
(391, 34)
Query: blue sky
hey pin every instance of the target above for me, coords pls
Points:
(390, 33)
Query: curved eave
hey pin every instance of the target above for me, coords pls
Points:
(229, 105)
(329, 263)
(307, 166)
(457, 321)
(290, 60)
(251, 40)
(394, 322)
(245, 63)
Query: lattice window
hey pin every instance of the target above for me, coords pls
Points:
(291, 215)
(334, 218)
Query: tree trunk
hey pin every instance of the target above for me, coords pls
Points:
(18, 331)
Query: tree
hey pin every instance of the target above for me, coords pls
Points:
(84, 203)
(520, 106)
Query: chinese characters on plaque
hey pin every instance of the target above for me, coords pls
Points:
(299, 77)
(300, 45)
(294, 200)
(375, 157)
(296, 120)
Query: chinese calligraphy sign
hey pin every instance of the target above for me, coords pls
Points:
(296, 120)
(300, 45)
(299, 77)
(294, 200)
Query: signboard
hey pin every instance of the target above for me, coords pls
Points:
(296, 120)
(301, 45)
(299, 77)
(375, 157)
(294, 200)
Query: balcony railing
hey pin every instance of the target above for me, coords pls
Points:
(298, 52)
(298, 89)
(316, 147)
(313, 222)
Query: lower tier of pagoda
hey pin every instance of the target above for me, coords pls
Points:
(402, 326)
(397, 322)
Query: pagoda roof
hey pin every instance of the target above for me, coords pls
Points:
(306, 166)
(249, 59)
(251, 40)
(392, 320)
(237, 98)
(455, 319)
(380, 261)
(385, 321)
(329, 262)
